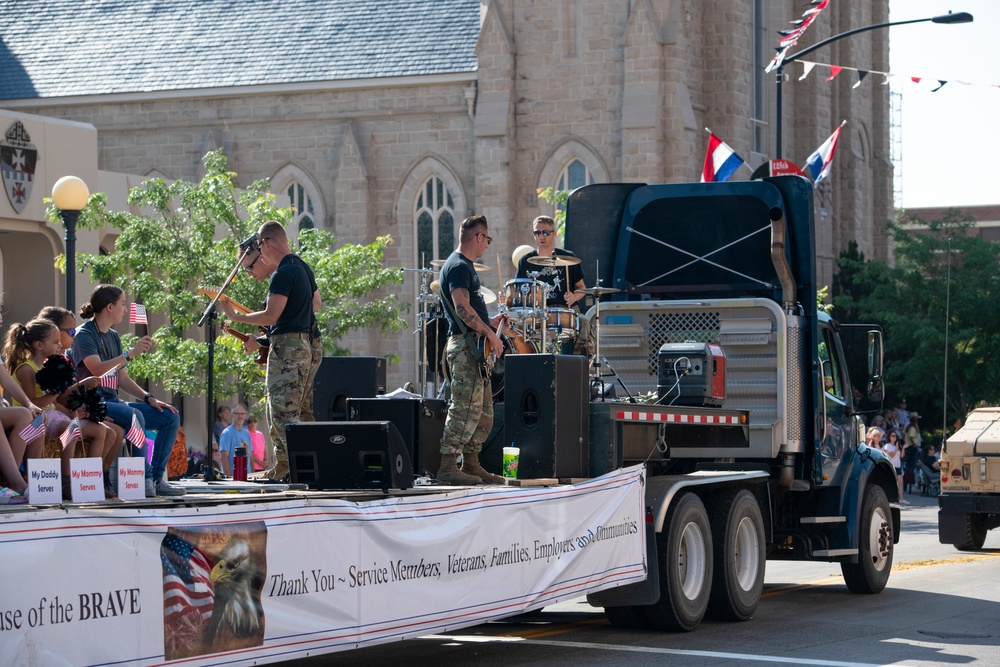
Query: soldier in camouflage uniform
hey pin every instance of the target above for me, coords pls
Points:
(288, 314)
(470, 415)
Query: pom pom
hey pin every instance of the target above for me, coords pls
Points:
(56, 375)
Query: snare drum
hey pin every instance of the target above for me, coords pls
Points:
(523, 293)
(563, 323)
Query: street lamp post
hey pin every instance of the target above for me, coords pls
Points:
(949, 18)
(70, 195)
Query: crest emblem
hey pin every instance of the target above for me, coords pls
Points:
(17, 162)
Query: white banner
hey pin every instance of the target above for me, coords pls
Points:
(270, 581)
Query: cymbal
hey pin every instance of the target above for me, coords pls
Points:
(489, 296)
(480, 268)
(555, 260)
(597, 291)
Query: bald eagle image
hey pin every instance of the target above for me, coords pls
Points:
(236, 580)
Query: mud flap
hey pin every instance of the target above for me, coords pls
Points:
(640, 593)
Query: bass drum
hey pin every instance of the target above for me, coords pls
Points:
(513, 343)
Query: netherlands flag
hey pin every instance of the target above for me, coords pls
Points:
(721, 161)
(820, 161)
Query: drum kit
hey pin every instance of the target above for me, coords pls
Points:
(532, 326)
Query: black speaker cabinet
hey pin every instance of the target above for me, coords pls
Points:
(348, 455)
(420, 423)
(547, 415)
(340, 378)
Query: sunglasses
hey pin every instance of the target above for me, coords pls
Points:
(71, 332)
(489, 239)
(249, 267)
(543, 232)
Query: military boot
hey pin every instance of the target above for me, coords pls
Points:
(449, 473)
(470, 466)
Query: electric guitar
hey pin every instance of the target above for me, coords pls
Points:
(212, 292)
(261, 352)
(490, 355)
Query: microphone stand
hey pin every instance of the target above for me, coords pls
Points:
(211, 315)
(631, 398)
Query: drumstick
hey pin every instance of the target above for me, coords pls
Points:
(499, 273)
(569, 288)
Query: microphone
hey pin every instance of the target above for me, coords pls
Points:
(252, 242)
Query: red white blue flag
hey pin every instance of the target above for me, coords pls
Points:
(721, 161)
(72, 433)
(819, 162)
(135, 434)
(187, 589)
(35, 428)
(110, 380)
(137, 314)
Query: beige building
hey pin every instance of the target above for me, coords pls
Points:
(404, 116)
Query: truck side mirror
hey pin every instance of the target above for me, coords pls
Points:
(876, 389)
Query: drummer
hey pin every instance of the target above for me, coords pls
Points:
(563, 280)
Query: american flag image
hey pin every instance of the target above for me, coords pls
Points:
(110, 380)
(137, 314)
(72, 433)
(35, 428)
(135, 434)
(188, 598)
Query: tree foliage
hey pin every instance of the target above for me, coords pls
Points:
(943, 275)
(185, 236)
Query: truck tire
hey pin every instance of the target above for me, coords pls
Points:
(875, 545)
(627, 618)
(684, 550)
(975, 533)
(738, 541)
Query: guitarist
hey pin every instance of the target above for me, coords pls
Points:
(470, 415)
(289, 318)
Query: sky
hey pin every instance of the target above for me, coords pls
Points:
(951, 138)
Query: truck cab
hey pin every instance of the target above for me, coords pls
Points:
(734, 391)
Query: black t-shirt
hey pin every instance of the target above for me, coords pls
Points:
(89, 341)
(291, 280)
(553, 275)
(312, 287)
(459, 271)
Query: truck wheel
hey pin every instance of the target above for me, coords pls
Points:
(875, 545)
(685, 560)
(975, 533)
(627, 618)
(738, 541)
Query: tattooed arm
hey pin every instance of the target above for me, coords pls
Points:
(465, 312)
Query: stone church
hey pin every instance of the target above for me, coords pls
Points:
(402, 117)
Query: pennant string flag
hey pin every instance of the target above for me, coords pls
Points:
(35, 428)
(942, 85)
(721, 161)
(820, 161)
(807, 67)
(137, 314)
(834, 71)
(790, 38)
(861, 77)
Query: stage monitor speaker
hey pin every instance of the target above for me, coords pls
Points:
(420, 423)
(348, 455)
(340, 378)
(547, 414)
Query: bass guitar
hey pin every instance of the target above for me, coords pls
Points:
(261, 352)
(490, 355)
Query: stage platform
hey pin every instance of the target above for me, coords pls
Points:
(230, 575)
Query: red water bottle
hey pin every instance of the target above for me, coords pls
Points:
(240, 464)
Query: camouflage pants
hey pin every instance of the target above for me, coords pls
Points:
(470, 415)
(584, 344)
(288, 368)
(306, 414)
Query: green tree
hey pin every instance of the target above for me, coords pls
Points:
(941, 274)
(185, 237)
(557, 198)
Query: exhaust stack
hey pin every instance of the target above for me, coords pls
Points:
(778, 235)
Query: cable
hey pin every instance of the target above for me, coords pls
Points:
(677, 382)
